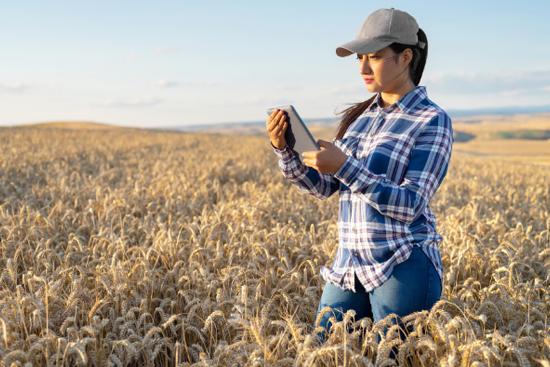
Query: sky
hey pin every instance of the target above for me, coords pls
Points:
(172, 63)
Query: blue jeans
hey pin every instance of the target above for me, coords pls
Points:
(414, 285)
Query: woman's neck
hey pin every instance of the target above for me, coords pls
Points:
(390, 98)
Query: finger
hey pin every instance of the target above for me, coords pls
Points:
(281, 116)
(324, 144)
(276, 122)
(273, 124)
(311, 160)
(309, 163)
(283, 127)
(273, 113)
(278, 129)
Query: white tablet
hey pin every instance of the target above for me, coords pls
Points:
(297, 135)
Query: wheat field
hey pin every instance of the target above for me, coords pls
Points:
(128, 247)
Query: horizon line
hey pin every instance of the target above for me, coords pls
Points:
(453, 112)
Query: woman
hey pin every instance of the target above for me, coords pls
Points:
(389, 157)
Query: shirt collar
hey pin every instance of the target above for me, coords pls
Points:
(406, 102)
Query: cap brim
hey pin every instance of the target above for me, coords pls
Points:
(362, 46)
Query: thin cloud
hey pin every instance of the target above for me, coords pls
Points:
(13, 87)
(166, 50)
(190, 83)
(167, 83)
(515, 84)
(131, 103)
(292, 87)
(348, 90)
(263, 101)
(200, 84)
(512, 83)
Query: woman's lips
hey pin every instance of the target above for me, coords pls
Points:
(368, 81)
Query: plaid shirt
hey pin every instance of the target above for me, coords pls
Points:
(397, 159)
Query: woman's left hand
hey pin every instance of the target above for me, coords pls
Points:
(327, 160)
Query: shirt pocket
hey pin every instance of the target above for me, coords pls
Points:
(387, 153)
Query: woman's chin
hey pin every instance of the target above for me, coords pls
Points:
(372, 88)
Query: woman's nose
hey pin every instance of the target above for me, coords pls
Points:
(365, 67)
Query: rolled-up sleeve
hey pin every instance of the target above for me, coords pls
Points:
(427, 167)
(307, 179)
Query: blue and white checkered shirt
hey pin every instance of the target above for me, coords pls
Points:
(397, 159)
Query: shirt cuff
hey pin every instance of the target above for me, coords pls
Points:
(285, 154)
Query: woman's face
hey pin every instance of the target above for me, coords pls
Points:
(384, 70)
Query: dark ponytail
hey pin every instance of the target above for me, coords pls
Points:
(419, 60)
(416, 69)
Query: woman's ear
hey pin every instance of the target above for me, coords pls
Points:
(407, 55)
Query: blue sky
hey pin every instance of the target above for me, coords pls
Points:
(162, 63)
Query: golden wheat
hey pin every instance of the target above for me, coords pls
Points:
(126, 247)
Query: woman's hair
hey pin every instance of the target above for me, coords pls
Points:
(415, 72)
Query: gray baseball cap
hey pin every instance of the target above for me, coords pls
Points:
(382, 28)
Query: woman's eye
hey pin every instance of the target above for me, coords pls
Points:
(360, 57)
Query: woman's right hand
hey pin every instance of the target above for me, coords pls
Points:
(276, 126)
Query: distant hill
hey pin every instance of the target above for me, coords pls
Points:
(523, 134)
(460, 136)
(501, 111)
(471, 116)
(75, 125)
(246, 127)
